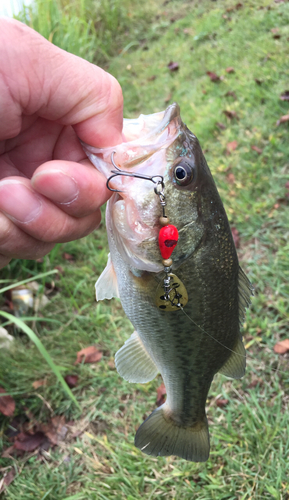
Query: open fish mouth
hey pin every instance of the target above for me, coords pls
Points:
(144, 148)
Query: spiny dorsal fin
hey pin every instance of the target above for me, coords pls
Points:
(245, 294)
(134, 363)
(235, 366)
(106, 285)
(160, 435)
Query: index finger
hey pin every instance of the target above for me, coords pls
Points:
(51, 83)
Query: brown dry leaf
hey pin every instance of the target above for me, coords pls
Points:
(173, 66)
(221, 403)
(283, 119)
(7, 480)
(152, 78)
(236, 236)
(258, 150)
(168, 98)
(231, 146)
(285, 95)
(221, 126)
(7, 404)
(29, 442)
(55, 430)
(8, 452)
(255, 381)
(39, 383)
(111, 364)
(287, 185)
(230, 69)
(71, 380)
(282, 347)
(230, 114)
(231, 93)
(68, 256)
(213, 76)
(88, 355)
(161, 394)
(230, 178)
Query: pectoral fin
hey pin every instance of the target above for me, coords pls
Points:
(134, 363)
(106, 285)
(235, 366)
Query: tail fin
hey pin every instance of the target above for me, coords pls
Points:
(160, 435)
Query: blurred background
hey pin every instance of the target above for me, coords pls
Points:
(67, 424)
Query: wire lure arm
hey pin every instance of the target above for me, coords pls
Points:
(158, 180)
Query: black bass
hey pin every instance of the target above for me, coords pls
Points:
(187, 343)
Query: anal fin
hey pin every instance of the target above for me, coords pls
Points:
(160, 435)
(134, 363)
(235, 366)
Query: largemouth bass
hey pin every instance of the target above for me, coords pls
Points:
(187, 343)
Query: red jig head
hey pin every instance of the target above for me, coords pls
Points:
(168, 239)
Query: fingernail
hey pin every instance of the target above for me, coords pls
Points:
(19, 202)
(56, 186)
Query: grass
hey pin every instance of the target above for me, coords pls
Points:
(249, 436)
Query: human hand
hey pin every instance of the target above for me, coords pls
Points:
(49, 191)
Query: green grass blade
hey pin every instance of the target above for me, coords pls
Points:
(18, 322)
(34, 278)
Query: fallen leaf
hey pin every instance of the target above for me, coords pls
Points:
(60, 272)
(71, 380)
(236, 236)
(7, 479)
(258, 150)
(231, 146)
(152, 78)
(111, 364)
(255, 382)
(285, 95)
(287, 185)
(161, 394)
(230, 69)
(221, 126)
(55, 430)
(173, 66)
(88, 355)
(230, 114)
(7, 404)
(8, 452)
(213, 76)
(39, 383)
(29, 442)
(258, 81)
(68, 256)
(221, 403)
(231, 93)
(230, 178)
(282, 346)
(283, 119)
(168, 98)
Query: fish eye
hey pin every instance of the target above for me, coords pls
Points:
(184, 173)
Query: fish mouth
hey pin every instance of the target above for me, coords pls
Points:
(144, 137)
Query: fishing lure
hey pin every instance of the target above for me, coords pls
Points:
(171, 294)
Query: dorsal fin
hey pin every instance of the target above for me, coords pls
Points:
(245, 293)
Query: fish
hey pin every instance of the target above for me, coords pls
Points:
(187, 337)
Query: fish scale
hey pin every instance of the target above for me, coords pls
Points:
(188, 345)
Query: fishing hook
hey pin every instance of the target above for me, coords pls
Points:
(159, 184)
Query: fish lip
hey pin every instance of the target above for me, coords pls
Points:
(154, 133)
